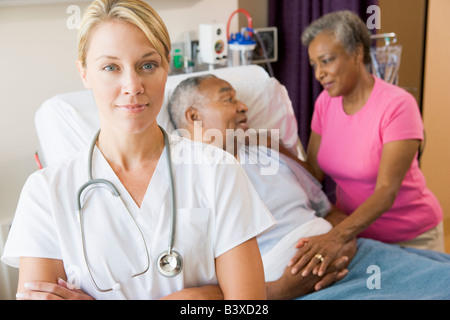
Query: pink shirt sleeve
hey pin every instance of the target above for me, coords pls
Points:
(402, 121)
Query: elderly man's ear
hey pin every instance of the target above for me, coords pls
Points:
(192, 114)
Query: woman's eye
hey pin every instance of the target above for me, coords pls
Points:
(148, 66)
(326, 61)
(110, 68)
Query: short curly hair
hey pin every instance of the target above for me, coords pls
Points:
(346, 26)
(185, 95)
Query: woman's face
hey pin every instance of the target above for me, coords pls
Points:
(335, 69)
(126, 76)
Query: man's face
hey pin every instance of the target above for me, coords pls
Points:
(219, 108)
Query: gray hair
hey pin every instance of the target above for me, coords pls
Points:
(185, 95)
(346, 26)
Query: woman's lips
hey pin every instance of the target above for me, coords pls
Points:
(133, 108)
(327, 86)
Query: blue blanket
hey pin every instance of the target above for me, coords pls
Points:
(388, 272)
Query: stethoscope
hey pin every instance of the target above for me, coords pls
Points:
(169, 263)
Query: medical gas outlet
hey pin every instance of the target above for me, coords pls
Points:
(213, 43)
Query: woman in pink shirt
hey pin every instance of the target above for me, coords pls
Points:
(365, 135)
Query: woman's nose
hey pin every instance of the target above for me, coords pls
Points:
(132, 83)
(319, 73)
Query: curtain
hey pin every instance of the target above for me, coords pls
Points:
(292, 69)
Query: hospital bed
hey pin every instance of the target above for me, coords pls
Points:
(67, 122)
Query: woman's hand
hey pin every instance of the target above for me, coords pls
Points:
(51, 291)
(290, 286)
(315, 254)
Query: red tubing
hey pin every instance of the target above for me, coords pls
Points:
(249, 20)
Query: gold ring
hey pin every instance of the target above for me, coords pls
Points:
(319, 257)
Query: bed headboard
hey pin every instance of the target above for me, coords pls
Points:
(67, 122)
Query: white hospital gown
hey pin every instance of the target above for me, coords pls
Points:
(295, 199)
(217, 209)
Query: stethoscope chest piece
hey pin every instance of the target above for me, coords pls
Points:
(169, 264)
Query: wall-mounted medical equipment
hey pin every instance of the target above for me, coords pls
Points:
(213, 43)
(214, 46)
(252, 45)
(267, 48)
(169, 263)
(240, 44)
(240, 48)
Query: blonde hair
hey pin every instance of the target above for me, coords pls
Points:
(135, 12)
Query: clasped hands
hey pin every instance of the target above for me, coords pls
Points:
(322, 255)
(319, 262)
(304, 274)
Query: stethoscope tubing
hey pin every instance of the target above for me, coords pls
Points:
(116, 193)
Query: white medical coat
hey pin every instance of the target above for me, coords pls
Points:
(217, 209)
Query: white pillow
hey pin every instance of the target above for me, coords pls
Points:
(66, 123)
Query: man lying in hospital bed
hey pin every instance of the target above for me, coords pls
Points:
(66, 123)
(208, 103)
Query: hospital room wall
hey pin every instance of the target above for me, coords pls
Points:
(37, 59)
(424, 24)
(407, 18)
(436, 108)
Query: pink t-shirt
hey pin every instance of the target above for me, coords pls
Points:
(350, 153)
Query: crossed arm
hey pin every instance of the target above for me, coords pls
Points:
(239, 272)
(43, 279)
